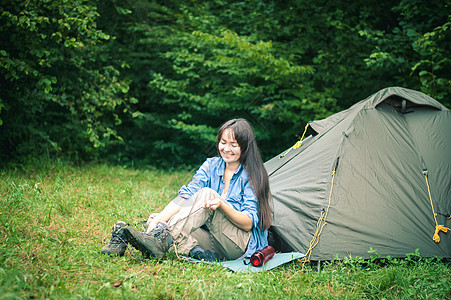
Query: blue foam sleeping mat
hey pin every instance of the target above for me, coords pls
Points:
(238, 265)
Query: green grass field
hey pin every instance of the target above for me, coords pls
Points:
(55, 218)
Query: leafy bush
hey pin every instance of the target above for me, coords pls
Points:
(60, 94)
(72, 72)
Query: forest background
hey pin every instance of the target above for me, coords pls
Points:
(149, 82)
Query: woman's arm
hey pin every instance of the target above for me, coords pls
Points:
(199, 180)
(166, 214)
(238, 218)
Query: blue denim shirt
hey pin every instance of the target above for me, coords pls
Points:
(240, 195)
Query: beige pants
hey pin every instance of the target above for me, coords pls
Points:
(211, 230)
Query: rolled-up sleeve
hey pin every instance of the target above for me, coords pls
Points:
(249, 205)
(200, 180)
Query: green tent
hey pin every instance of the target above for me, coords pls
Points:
(377, 175)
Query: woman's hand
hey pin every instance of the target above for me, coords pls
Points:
(164, 216)
(240, 219)
(152, 222)
(213, 204)
(151, 226)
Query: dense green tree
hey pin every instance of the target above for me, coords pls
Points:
(71, 70)
(59, 93)
(205, 73)
(416, 50)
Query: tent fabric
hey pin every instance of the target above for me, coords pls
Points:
(379, 199)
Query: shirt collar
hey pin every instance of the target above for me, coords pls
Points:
(221, 169)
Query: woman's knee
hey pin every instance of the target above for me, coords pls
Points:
(207, 193)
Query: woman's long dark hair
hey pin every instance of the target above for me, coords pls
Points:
(252, 162)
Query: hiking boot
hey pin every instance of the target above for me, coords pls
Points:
(198, 253)
(118, 242)
(153, 244)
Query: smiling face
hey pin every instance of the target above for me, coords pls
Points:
(228, 147)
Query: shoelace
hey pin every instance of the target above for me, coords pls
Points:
(209, 213)
(115, 238)
(157, 233)
(131, 250)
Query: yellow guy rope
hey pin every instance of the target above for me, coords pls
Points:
(438, 228)
(298, 143)
(319, 225)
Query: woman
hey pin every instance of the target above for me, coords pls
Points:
(223, 213)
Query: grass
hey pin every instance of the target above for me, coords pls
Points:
(55, 218)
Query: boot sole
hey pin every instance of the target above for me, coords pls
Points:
(130, 233)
